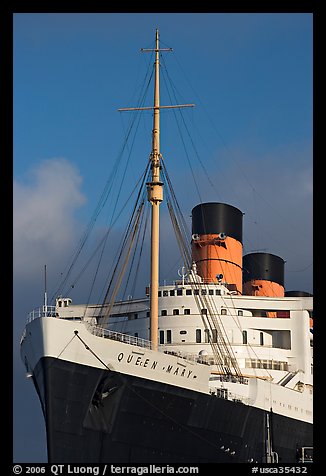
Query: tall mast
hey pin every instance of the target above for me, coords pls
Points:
(155, 189)
(155, 196)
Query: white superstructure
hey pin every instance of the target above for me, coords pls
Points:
(274, 354)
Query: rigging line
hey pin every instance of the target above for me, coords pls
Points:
(141, 181)
(217, 323)
(149, 402)
(211, 120)
(212, 307)
(185, 149)
(118, 283)
(214, 326)
(123, 243)
(141, 250)
(103, 198)
(299, 270)
(141, 100)
(104, 238)
(180, 236)
(118, 261)
(90, 226)
(140, 192)
(180, 239)
(182, 222)
(222, 351)
(187, 258)
(237, 322)
(120, 190)
(181, 113)
(203, 302)
(90, 350)
(138, 115)
(261, 196)
(132, 291)
(135, 251)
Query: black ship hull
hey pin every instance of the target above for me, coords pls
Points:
(99, 416)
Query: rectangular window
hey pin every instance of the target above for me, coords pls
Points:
(211, 291)
(204, 292)
(188, 292)
(198, 336)
(204, 311)
(244, 337)
(164, 312)
(218, 292)
(196, 292)
(223, 312)
(168, 337)
(161, 337)
(214, 335)
(206, 335)
(175, 312)
(261, 338)
(171, 292)
(179, 292)
(240, 313)
(159, 293)
(165, 293)
(187, 311)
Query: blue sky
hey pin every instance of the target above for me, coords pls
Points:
(250, 76)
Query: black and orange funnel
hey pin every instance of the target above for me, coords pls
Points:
(217, 243)
(263, 275)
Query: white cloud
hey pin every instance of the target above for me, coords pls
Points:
(44, 222)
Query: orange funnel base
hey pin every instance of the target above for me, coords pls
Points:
(218, 256)
(262, 287)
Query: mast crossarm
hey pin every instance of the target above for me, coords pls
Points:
(146, 50)
(147, 108)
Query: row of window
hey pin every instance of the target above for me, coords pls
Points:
(167, 338)
(188, 292)
(223, 312)
(266, 364)
(176, 312)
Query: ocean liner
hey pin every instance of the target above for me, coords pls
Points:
(213, 368)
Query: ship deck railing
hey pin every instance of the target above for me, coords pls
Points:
(137, 341)
(44, 311)
(126, 338)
